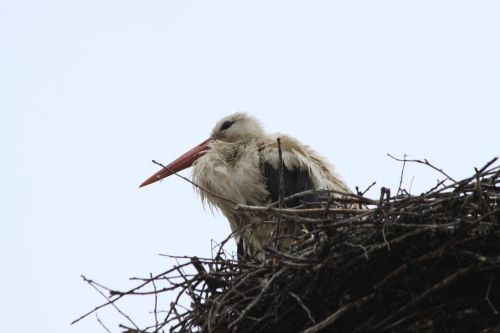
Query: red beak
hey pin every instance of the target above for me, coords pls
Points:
(181, 163)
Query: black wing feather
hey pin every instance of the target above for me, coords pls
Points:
(294, 181)
(239, 249)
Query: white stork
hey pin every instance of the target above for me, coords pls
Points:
(239, 162)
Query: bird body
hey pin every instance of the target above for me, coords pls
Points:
(239, 163)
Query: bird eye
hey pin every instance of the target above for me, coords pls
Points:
(226, 125)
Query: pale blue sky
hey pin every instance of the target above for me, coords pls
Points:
(91, 91)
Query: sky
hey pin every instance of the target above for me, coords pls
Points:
(92, 91)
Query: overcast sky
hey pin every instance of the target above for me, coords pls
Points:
(92, 91)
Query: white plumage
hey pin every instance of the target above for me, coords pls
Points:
(240, 161)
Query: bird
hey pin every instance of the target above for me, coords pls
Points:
(239, 164)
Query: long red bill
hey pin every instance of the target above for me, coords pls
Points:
(181, 163)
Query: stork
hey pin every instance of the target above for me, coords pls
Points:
(240, 162)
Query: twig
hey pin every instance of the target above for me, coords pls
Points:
(368, 188)
(306, 309)
(91, 283)
(156, 302)
(487, 298)
(323, 192)
(281, 193)
(401, 177)
(281, 176)
(119, 295)
(102, 324)
(201, 188)
(295, 211)
(425, 162)
(337, 314)
(365, 252)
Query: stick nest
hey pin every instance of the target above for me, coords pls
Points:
(406, 264)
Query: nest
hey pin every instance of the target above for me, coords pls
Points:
(406, 264)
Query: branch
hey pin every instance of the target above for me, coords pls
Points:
(425, 162)
(201, 188)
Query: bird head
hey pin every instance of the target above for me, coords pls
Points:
(236, 128)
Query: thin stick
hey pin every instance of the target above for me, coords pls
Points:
(101, 323)
(402, 174)
(280, 172)
(425, 162)
(90, 282)
(281, 192)
(306, 309)
(296, 211)
(337, 314)
(319, 192)
(201, 188)
(487, 298)
(156, 302)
